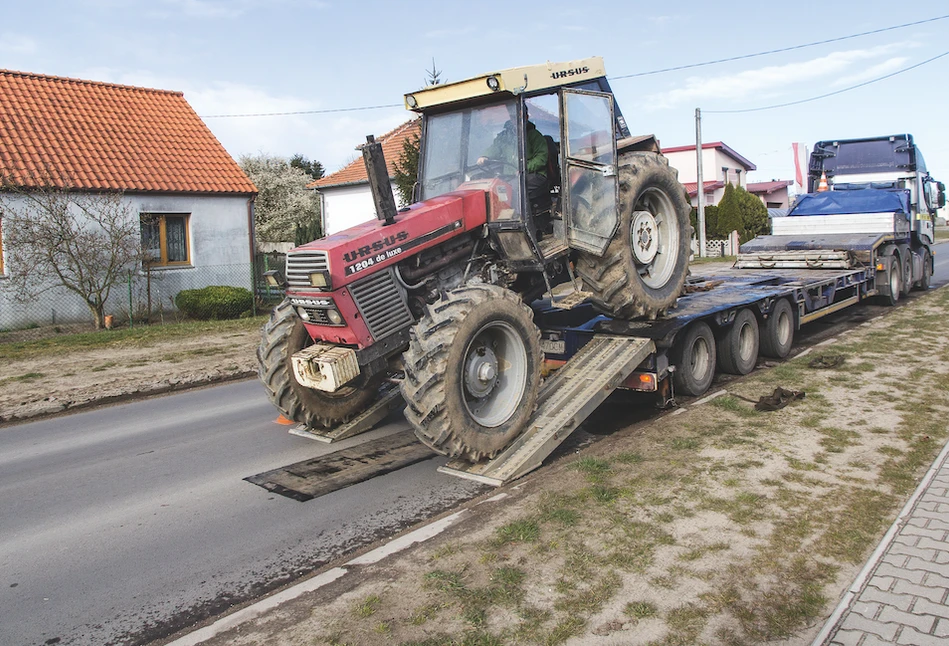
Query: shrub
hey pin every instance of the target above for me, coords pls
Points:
(214, 302)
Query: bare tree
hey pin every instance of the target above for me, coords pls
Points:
(83, 242)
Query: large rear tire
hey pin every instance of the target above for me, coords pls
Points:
(645, 265)
(281, 337)
(738, 345)
(694, 358)
(472, 372)
(778, 335)
(923, 283)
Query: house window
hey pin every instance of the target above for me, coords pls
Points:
(165, 239)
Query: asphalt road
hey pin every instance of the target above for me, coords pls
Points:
(124, 524)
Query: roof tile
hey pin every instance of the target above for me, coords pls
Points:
(355, 171)
(89, 135)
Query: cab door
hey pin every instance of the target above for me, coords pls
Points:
(590, 192)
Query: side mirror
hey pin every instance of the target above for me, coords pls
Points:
(941, 199)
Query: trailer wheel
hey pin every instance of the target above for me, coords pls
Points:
(906, 259)
(778, 333)
(642, 271)
(281, 337)
(738, 346)
(472, 371)
(694, 358)
(923, 283)
(894, 278)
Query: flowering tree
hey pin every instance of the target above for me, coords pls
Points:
(283, 202)
(82, 242)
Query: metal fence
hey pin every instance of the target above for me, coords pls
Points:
(144, 297)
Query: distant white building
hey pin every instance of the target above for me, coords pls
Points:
(345, 197)
(720, 165)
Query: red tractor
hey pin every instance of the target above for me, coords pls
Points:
(438, 292)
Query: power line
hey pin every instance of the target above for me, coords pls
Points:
(777, 51)
(614, 78)
(824, 96)
(286, 114)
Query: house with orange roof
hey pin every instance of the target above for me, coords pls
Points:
(194, 203)
(345, 197)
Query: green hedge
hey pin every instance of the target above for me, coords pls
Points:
(215, 302)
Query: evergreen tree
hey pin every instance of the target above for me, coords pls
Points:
(312, 168)
(729, 215)
(406, 170)
(754, 215)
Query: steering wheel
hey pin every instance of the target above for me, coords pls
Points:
(492, 168)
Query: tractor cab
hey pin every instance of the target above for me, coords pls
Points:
(541, 142)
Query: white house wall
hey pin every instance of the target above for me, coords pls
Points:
(713, 160)
(346, 206)
(220, 254)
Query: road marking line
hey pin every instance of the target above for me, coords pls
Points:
(705, 400)
(255, 610)
(259, 608)
(418, 536)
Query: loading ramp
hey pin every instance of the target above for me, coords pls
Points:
(565, 400)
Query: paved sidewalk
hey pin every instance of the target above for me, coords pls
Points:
(902, 594)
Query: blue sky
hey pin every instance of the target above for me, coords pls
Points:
(264, 56)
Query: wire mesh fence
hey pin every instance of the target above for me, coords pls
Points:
(149, 296)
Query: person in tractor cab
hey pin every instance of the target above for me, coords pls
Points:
(504, 148)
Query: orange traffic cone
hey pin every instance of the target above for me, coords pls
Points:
(822, 186)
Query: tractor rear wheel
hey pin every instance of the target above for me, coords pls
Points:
(281, 337)
(472, 371)
(645, 265)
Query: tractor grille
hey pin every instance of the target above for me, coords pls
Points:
(317, 317)
(381, 301)
(301, 263)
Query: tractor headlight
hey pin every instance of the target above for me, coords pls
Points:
(334, 317)
(275, 279)
(302, 313)
(411, 101)
(493, 83)
(320, 279)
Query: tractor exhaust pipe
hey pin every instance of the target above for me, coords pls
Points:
(379, 183)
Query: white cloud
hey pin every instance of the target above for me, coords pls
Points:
(876, 71)
(766, 81)
(11, 43)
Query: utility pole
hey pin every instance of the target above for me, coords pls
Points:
(700, 185)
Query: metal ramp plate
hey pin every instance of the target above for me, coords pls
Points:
(796, 259)
(566, 399)
(390, 399)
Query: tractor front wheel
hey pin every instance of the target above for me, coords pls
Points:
(472, 371)
(281, 337)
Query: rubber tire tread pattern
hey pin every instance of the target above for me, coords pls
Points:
(613, 278)
(770, 346)
(685, 382)
(280, 338)
(426, 388)
(730, 343)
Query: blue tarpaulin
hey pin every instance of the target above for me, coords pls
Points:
(860, 201)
